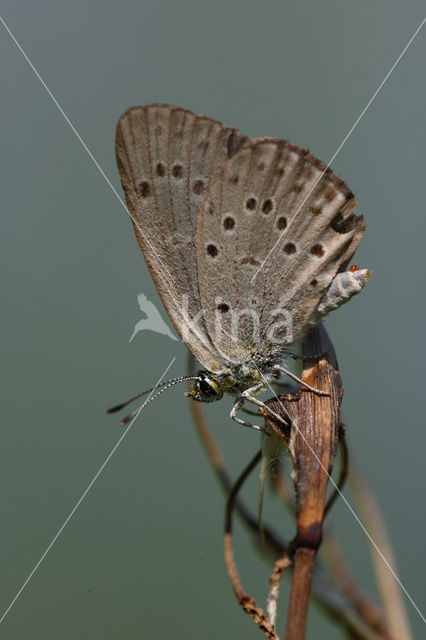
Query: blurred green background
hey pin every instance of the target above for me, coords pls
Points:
(142, 556)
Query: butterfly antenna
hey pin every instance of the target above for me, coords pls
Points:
(165, 385)
(170, 383)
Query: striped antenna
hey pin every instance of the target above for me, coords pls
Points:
(164, 386)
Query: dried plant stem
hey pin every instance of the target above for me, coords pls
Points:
(328, 596)
(274, 584)
(299, 598)
(330, 599)
(247, 602)
(313, 439)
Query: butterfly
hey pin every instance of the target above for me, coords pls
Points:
(247, 241)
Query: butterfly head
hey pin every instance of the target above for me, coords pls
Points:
(205, 388)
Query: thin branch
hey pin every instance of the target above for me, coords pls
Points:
(326, 594)
(282, 563)
(312, 444)
(247, 602)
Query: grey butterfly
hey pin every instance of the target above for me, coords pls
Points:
(242, 238)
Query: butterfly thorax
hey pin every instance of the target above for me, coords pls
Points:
(210, 386)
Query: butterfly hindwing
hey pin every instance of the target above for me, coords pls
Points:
(279, 224)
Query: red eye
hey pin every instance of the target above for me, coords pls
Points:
(354, 267)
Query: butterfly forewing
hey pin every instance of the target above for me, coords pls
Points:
(167, 157)
(276, 222)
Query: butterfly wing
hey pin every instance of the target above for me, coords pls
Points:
(280, 225)
(166, 159)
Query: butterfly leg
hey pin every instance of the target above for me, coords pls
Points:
(237, 406)
(248, 395)
(305, 385)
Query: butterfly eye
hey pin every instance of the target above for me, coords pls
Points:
(206, 389)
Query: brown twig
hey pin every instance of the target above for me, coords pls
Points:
(274, 584)
(273, 543)
(247, 602)
(312, 444)
(326, 594)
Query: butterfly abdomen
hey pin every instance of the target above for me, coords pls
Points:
(344, 286)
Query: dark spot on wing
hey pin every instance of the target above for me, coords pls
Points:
(282, 222)
(290, 248)
(251, 261)
(229, 223)
(340, 224)
(223, 307)
(317, 250)
(251, 204)
(234, 143)
(144, 189)
(160, 169)
(329, 193)
(267, 206)
(198, 187)
(177, 171)
(315, 210)
(212, 250)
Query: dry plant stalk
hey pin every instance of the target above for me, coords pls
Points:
(248, 603)
(313, 438)
(312, 442)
